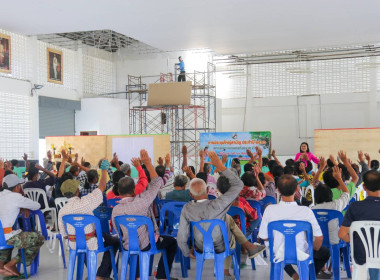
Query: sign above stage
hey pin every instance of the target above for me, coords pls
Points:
(235, 144)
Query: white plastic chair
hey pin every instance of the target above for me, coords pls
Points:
(371, 246)
(60, 202)
(35, 194)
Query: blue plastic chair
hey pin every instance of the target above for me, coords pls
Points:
(211, 197)
(253, 238)
(29, 225)
(209, 251)
(169, 226)
(236, 211)
(132, 223)
(290, 229)
(4, 245)
(352, 200)
(104, 215)
(113, 202)
(324, 217)
(79, 222)
(265, 202)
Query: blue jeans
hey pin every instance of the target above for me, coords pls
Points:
(374, 274)
(253, 225)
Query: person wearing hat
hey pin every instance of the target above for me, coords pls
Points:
(86, 205)
(12, 202)
(181, 66)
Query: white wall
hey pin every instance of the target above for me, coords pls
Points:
(107, 116)
(292, 124)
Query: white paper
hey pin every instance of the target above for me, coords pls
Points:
(129, 147)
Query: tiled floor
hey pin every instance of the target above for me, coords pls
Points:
(51, 268)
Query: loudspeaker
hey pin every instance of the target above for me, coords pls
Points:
(163, 118)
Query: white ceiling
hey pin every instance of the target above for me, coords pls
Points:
(226, 26)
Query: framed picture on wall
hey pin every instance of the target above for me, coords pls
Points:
(5, 53)
(54, 66)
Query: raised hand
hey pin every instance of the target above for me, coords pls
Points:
(135, 162)
(76, 157)
(49, 155)
(256, 170)
(259, 151)
(1, 163)
(215, 161)
(69, 159)
(25, 157)
(367, 157)
(224, 159)
(342, 155)
(184, 150)
(167, 160)
(322, 162)
(65, 156)
(115, 158)
(82, 161)
(202, 153)
(188, 172)
(337, 173)
(360, 156)
(273, 153)
(145, 157)
(160, 161)
(8, 165)
(302, 167)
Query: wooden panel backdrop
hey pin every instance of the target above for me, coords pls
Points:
(330, 141)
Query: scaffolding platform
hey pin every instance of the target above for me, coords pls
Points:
(184, 123)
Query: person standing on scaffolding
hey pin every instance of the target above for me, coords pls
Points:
(181, 66)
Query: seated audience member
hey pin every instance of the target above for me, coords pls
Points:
(83, 178)
(364, 168)
(140, 186)
(86, 205)
(366, 210)
(203, 209)
(271, 165)
(36, 182)
(288, 209)
(375, 164)
(164, 171)
(19, 171)
(91, 182)
(211, 190)
(12, 202)
(265, 167)
(253, 189)
(290, 162)
(248, 167)
(179, 193)
(206, 168)
(305, 154)
(85, 164)
(2, 172)
(62, 175)
(331, 182)
(323, 200)
(132, 204)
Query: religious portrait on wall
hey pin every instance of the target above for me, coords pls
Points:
(55, 72)
(5, 53)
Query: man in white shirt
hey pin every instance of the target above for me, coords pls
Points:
(11, 202)
(288, 209)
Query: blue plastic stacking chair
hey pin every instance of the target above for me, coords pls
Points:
(132, 223)
(104, 215)
(211, 197)
(352, 200)
(29, 224)
(265, 202)
(169, 226)
(209, 251)
(253, 238)
(79, 222)
(4, 245)
(324, 217)
(290, 229)
(113, 202)
(239, 212)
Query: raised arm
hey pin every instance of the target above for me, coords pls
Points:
(303, 170)
(184, 156)
(347, 164)
(189, 172)
(103, 178)
(63, 163)
(259, 152)
(202, 154)
(48, 172)
(368, 158)
(27, 163)
(275, 158)
(143, 180)
(115, 161)
(322, 165)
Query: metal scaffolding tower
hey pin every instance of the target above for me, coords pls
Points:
(184, 123)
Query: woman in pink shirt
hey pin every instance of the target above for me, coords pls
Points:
(305, 154)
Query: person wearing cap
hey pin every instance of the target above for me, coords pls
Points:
(12, 202)
(36, 182)
(86, 205)
(181, 66)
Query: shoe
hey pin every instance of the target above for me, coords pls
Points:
(323, 275)
(254, 252)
